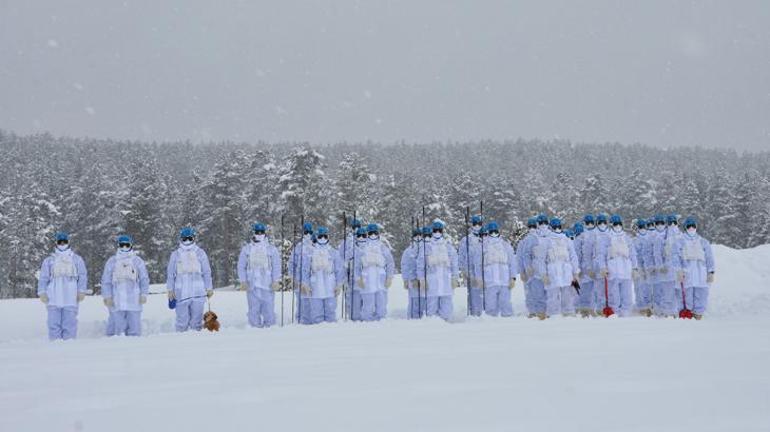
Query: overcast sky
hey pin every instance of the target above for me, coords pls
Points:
(657, 72)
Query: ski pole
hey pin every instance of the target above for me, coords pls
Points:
(352, 271)
(345, 262)
(483, 279)
(468, 260)
(425, 266)
(293, 257)
(283, 267)
(301, 267)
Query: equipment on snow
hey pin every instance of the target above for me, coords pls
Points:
(607, 311)
(685, 313)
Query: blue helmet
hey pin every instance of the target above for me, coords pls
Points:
(307, 228)
(601, 218)
(124, 239)
(532, 222)
(492, 226)
(589, 219)
(186, 232)
(616, 219)
(542, 219)
(483, 231)
(659, 219)
(416, 232)
(372, 228)
(691, 221)
(672, 218)
(555, 222)
(641, 223)
(361, 231)
(61, 236)
(355, 223)
(569, 233)
(438, 226)
(426, 231)
(322, 231)
(578, 228)
(477, 219)
(259, 227)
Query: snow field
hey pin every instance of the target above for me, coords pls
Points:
(632, 374)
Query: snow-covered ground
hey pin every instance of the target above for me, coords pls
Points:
(474, 374)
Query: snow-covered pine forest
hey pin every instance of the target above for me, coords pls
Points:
(95, 189)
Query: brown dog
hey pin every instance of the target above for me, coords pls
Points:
(210, 321)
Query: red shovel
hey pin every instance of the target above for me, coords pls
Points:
(607, 311)
(685, 313)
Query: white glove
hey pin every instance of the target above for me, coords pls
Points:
(680, 276)
(209, 293)
(305, 289)
(512, 283)
(81, 296)
(244, 286)
(388, 281)
(142, 299)
(360, 283)
(710, 278)
(276, 286)
(109, 302)
(44, 298)
(477, 283)
(337, 290)
(171, 295)
(455, 283)
(591, 274)
(546, 280)
(524, 277)
(604, 273)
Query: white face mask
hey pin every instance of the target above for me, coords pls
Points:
(660, 228)
(692, 231)
(602, 227)
(125, 249)
(557, 230)
(542, 228)
(307, 236)
(589, 227)
(475, 229)
(532, 230)
(374, 236)
(258, 237)
(187, 242)
(322, 241)
(437, 235)
(62, 248)
(416, 239)
(494, 234)
(617, 228)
